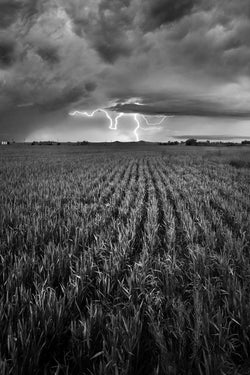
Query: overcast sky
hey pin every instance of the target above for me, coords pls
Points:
(187, 58)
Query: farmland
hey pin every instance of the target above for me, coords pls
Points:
(124, 260)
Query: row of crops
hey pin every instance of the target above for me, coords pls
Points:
(133, 262)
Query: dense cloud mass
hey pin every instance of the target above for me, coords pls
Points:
(7, 54)
(182, 57)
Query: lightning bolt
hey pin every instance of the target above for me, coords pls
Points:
(156, 123)
(116, 120)
(112, 126)
(137, 127)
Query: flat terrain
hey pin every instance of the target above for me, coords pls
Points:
(124, 259)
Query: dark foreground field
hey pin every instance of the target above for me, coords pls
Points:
(124, 260)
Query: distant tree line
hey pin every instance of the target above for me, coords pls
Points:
(188, 142)
(44, 143)
(52, 143)
(194, 142)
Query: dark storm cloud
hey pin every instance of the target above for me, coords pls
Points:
(47, 64)
(69, 95)
(216, 50)
(49, 54)
(108, 24)
(110, 51)
(90, 86)
(105, 25)
(7, 53)
(160, 12)
(8, 12)
(185, 107)
(11, 10)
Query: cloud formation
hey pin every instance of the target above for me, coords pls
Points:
(162, 12)
(7, 53)
(185, 57)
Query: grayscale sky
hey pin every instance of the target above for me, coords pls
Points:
(186, 58)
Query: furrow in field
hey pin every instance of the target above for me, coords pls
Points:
(186, 188)
(111, 253)
(76, 223)
(121, 211)
(140, 216)
(120, 234)
(108, 207)
(161, 217)
(132, 193)
(225, 187)
(218, 227)
(97, 190)
(196, 228)
(227, 219)
(181, 241)
(233, 211)
(53, 217)
(122, 188)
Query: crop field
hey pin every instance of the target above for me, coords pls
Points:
(124, 260)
